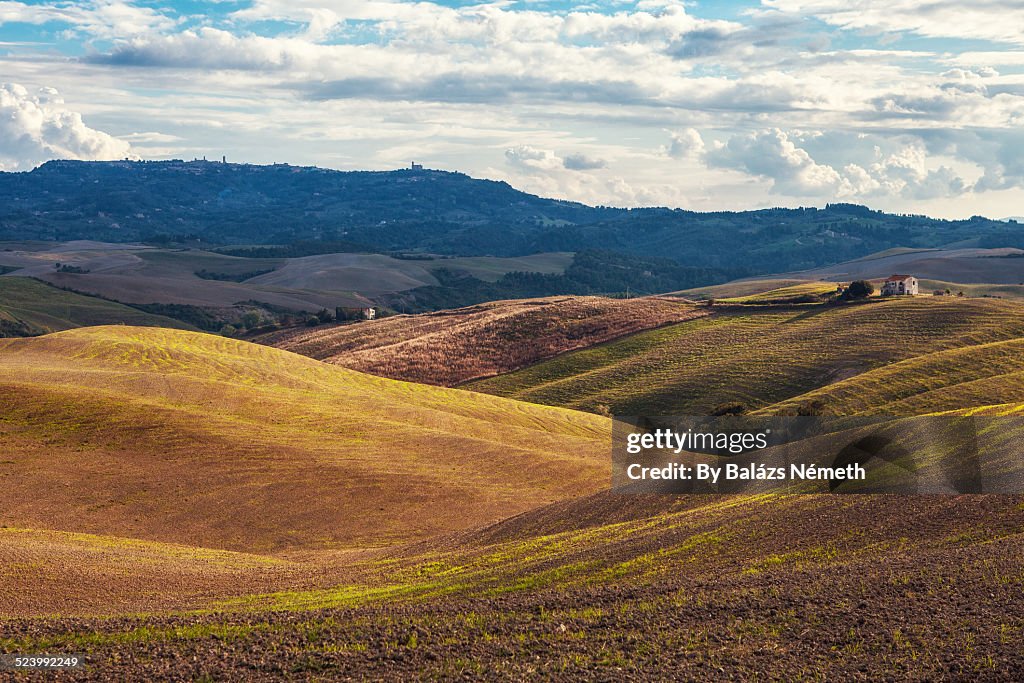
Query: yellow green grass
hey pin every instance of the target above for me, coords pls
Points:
(804, 291)
(757, 358)
(197, 439)
(38, 308)
(959, 378)
(698, 537)
(50, 572)
(738, 288)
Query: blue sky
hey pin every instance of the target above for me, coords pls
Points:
(902, 105)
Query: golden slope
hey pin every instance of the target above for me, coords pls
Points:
(757, 358)
(189, 438)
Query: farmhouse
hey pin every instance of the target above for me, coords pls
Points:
(346, 313)
(899, 284)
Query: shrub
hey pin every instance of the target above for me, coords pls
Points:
(860, 289)
(811, 408)
(250, 320)
(729, 408)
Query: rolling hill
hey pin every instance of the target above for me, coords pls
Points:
(29, 307)
(225, 286)
(977, 272)
(454, 346)
(968, 377)
(137, 274)
(757, 358)
(247, 483)
(1003, 266)
(437, 212)
(629, 587)
(178, 437)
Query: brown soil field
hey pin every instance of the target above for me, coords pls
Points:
(451, 347)
(777, 588)
(54, 572)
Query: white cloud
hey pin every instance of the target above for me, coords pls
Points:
(686, 144)
(994, 20)
(606, 102)
(781, 158)
(97, 19)
(37, 127)
(773, 155)
(531, 158)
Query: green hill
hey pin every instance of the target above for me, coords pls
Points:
(430, 211)
(29, 307)
(327, 523)
(757, 358)
(955, 379)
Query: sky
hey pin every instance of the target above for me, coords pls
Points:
(903, 105)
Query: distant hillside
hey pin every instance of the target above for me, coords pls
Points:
(1002, 266)
(180, 437)
(454, 346)
(208, 289)
(435, 212)
(29, 307)
(765, 357)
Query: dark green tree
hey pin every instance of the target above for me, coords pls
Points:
(860, 289)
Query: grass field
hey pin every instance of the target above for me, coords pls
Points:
(757, 358)
(1014, 291)
(490, 269)
(959, 378)
(36, 308)
(803, 292)
(454, 346)
(189, 438)
(738, 288)
(282, 518)
(54, 572)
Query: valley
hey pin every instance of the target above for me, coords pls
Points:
(384, 451)
(252, 500)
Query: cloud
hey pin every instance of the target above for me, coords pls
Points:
(773, 155)
(36, 128)
(581, 162)
(993, 20)
(151, 136)
(862, 168)
(686, 144)
(773, 103)
(104, 19)
(525, 157)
